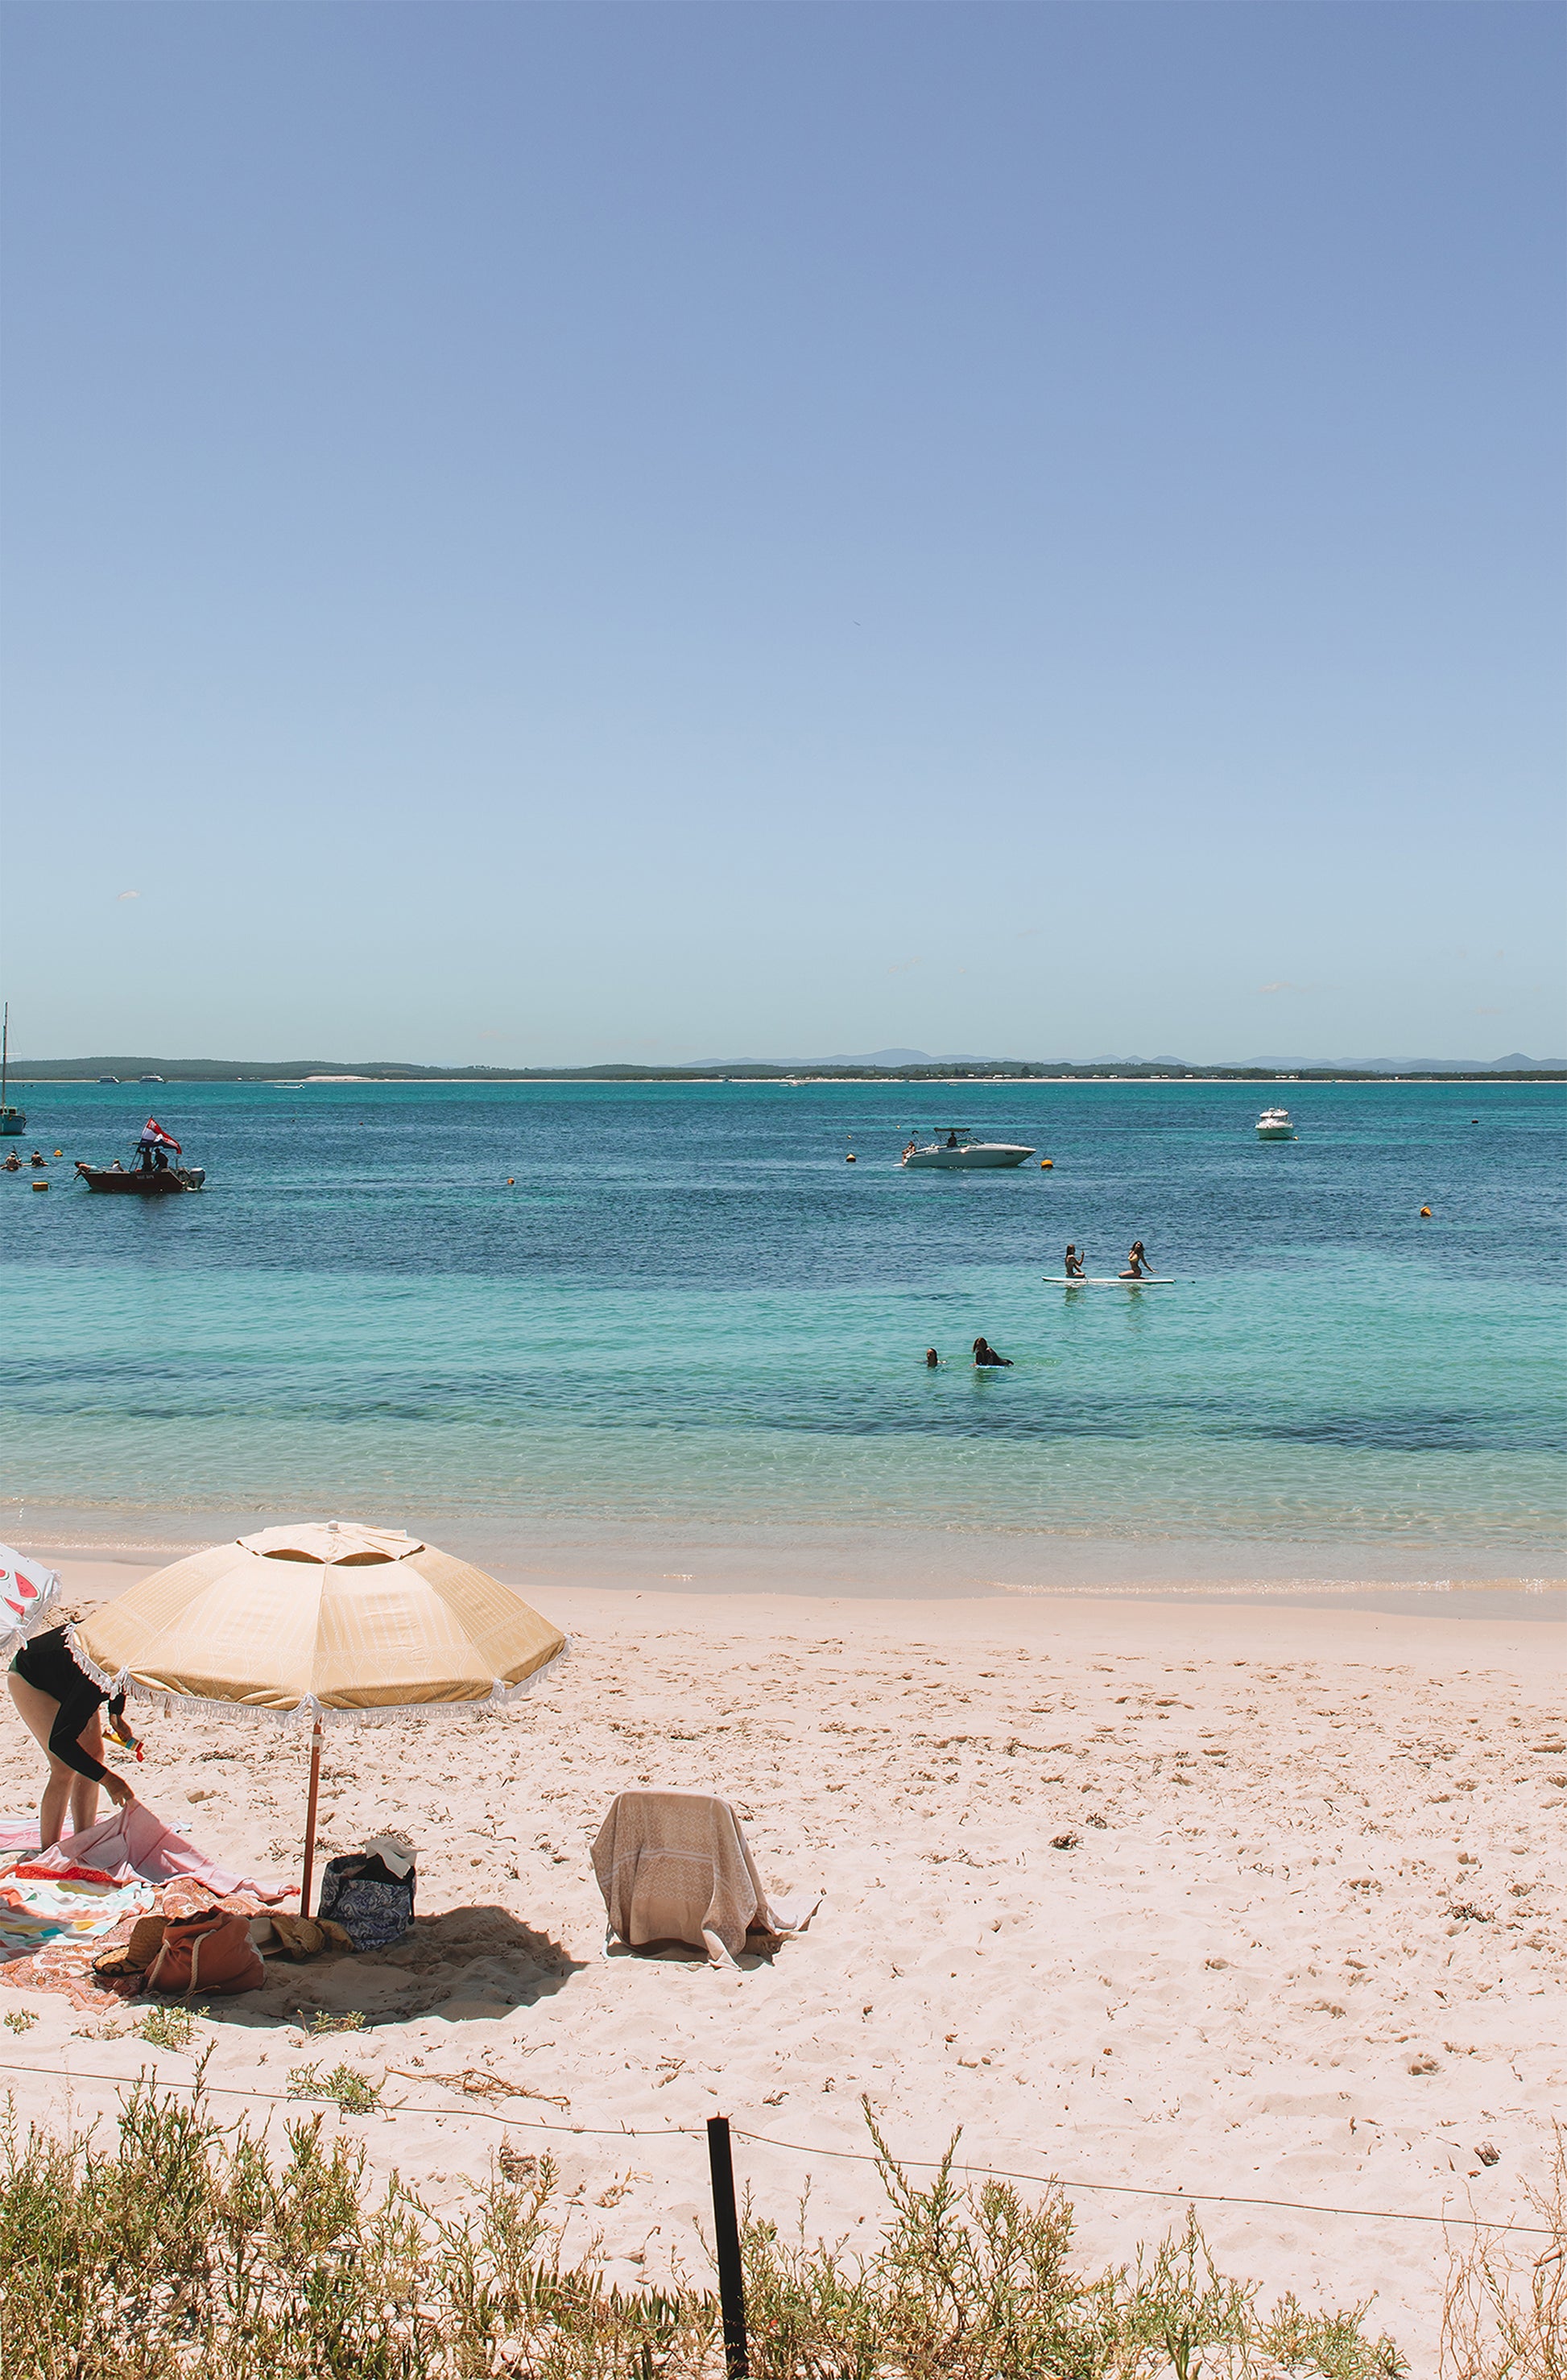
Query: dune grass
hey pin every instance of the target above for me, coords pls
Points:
(1506, 2312)
(181, 2248)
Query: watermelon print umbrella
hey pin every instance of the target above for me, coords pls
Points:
(26, 1590)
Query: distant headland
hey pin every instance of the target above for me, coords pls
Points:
(879, 1065)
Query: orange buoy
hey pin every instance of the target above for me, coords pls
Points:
(850, 1159)
(1424, 1210)
(511, 1182)
(1046, 1163)
(41, 1186)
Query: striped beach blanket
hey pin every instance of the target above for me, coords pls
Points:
(40, 1906)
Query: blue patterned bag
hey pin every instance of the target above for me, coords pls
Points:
(374, 1905)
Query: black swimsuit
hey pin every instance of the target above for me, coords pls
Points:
(49, 1664)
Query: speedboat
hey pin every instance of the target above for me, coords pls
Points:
(959, 1151)
(1274, 1123)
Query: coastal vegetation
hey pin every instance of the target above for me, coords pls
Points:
(185, 2248)
(294, 1074)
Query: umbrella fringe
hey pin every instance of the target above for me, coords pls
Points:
(304, 1715)
(13, 1639)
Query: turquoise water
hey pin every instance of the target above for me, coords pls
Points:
(691, 1336)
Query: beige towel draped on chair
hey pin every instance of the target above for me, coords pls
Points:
(673, 1867)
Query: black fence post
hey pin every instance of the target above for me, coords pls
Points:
(726, 2239)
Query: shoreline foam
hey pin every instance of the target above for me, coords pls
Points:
(1512, 1597)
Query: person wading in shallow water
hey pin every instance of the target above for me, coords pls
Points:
(60, 1705)
(985, 1354)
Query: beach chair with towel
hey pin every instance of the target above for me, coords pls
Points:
(673, 1867)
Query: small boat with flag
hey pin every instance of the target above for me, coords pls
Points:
(150, 1172)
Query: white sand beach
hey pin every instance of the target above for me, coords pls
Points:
(1243, 1973)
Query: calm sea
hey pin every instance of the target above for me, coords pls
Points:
(652, 1332)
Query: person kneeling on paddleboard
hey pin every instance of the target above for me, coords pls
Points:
(985, 1354)
(1074, 1262)
(1136, 1264)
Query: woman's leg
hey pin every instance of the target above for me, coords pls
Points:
(84, 1789)
(40, 1711)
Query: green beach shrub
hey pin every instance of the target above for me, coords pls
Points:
(354, 2093)
(168, 2028)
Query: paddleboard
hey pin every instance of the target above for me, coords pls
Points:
(1107, 1281)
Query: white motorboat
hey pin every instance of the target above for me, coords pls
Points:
(955, 1149)
(1274, 1123)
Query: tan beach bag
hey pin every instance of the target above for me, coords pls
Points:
(209, 1953)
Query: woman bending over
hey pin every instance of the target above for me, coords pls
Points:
(60, 1705)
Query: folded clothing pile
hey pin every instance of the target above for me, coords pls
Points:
(298, 1938)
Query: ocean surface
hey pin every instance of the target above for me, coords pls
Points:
(666, 1332)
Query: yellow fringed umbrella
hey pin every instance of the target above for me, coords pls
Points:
(324, 1622)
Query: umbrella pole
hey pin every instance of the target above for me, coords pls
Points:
(310, 1820)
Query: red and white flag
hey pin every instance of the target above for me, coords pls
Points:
(154, 1134)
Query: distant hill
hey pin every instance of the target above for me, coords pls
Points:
(1516, 1065)
(879, 1065)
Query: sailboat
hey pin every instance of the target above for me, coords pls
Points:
(12, 1120)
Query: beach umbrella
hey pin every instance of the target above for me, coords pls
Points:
(322, 1625)
(26, 1590)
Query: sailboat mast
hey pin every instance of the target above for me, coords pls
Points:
(4, 1054)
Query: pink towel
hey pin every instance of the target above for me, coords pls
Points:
(134, 1842)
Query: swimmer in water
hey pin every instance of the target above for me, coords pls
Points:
(932, 1359)
(1136, 1263)
(1074, 1262)
(985, 1354)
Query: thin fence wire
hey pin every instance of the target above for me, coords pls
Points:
(964, 2165)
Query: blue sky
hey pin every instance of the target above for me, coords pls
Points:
(550, 533)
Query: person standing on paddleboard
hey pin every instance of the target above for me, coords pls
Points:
(1137, 1265)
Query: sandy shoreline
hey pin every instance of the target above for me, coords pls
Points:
(1243, 1977)
(891, 1561)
